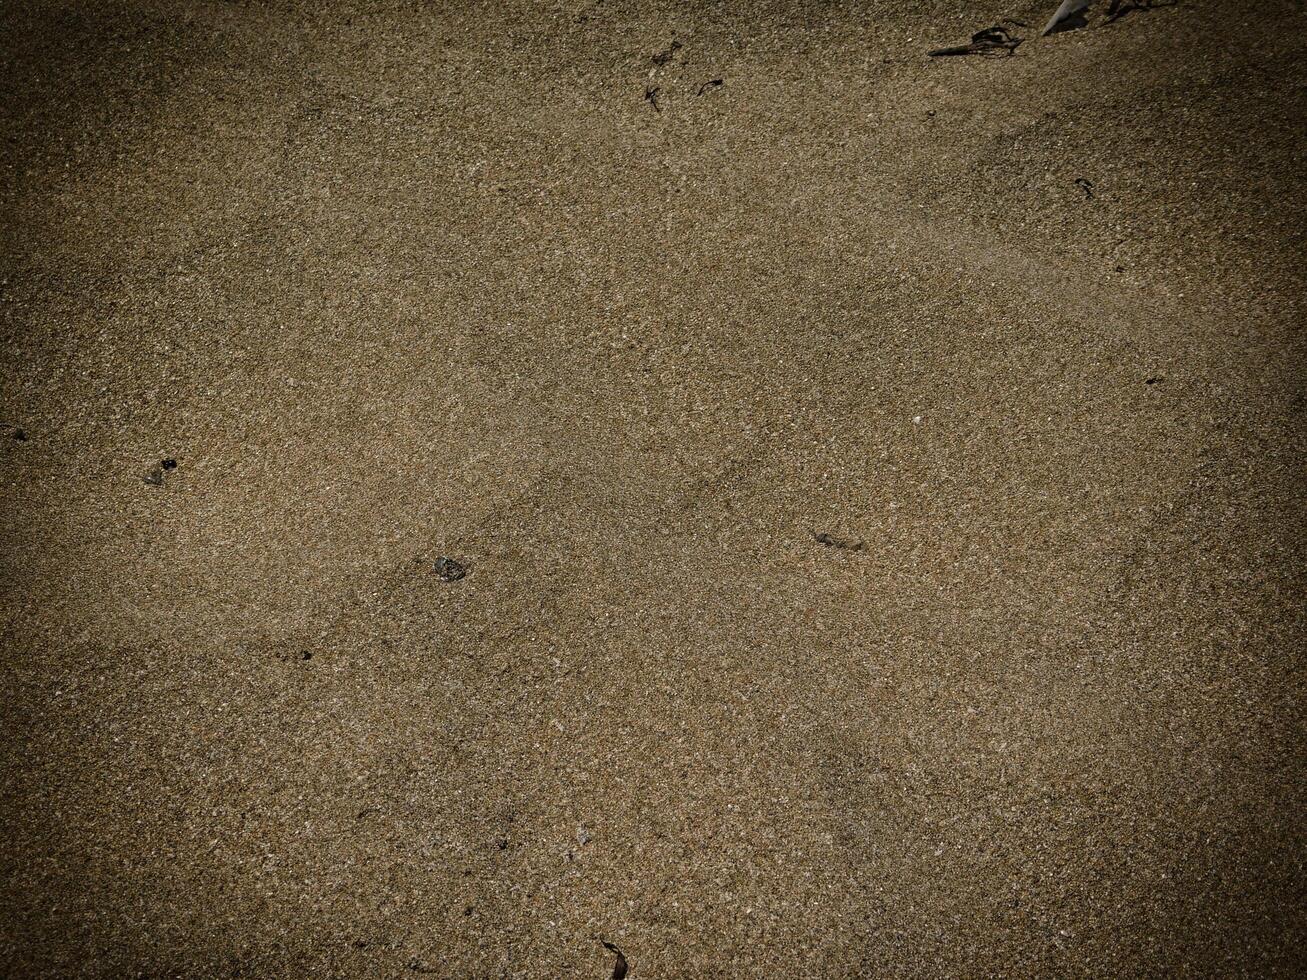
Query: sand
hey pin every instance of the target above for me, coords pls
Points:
(516, 285)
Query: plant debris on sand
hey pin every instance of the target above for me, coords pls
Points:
(992, 42)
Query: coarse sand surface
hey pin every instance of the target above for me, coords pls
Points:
(484, 480)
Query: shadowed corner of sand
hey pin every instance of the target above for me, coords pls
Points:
(82, 81)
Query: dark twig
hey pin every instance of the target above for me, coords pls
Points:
(619, 968)
(844, 544)
(992, 42)
(1119, 8)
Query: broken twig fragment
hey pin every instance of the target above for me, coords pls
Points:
(844, 544)
(990, 43)
(619, 968)
(1119, 8)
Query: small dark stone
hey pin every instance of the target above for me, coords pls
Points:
(169, 464)
(468, 911)
(502, 843)
(20, 435)
(1154, 381)
(306, 655)
(450, 570)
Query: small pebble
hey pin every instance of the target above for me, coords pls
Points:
(449, 569)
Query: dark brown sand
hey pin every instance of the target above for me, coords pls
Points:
(405, 280)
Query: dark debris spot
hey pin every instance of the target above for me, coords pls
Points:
(469, 910)
(844, 544)
(667, 54)
(450, 569)
(360, 944)
(1119, 8)
(417, 966)
(711, 84)
(156, 473)
(20, 435)
(651, 96)
(619, 968)
(1154, 381)
(1087, 186)
(502, 843)
(990, 43)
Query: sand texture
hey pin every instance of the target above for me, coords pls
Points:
(871, 486)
